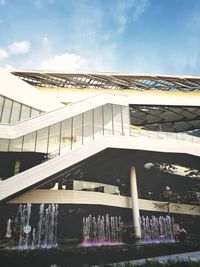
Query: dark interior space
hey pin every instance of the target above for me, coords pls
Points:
(14, 162)
(112, 166)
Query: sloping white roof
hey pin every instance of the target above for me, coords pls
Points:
(20, 91)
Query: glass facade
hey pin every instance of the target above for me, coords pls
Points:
(66, 135)
(98, 121)
(12, 111)
(87, 186)
(88, 126)
(94, 187)
(70, 133)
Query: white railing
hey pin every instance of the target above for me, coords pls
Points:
(165, 135)
(133, 133)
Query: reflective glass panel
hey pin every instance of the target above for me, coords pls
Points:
(25, 113)
(77, 130)
(54, 139)
(41, 140)
(29, 142)
(16, 144)
(1, 104)
(108, 123)
(4, 143)
(88, 126)
(66, 135)
(98, 121)
(17, 167)
(34, 112)
(6, 111)
(117, 119)
(126, 120)
(15, 112)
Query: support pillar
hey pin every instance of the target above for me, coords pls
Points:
(135, 205)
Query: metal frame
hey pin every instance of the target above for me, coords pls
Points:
(181, 119)
(110, 81)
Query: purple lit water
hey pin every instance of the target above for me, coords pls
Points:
(102, 230)
(157, 229)
(45, 235)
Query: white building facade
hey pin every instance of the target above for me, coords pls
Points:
(84, 139)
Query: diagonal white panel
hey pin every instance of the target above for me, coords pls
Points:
(41, 172)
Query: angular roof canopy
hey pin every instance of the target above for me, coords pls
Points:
(110, 80)
(170, 118)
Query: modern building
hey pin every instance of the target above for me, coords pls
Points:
(100, 143)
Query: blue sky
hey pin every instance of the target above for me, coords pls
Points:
(136, 36)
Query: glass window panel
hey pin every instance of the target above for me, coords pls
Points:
(1, 104)
(15, 112)
(42, 138)
(54, 139)
(126, 120)
(34, 112)
(25, 113)
(4, 143)
(88, 126)
(77, 130)
(6, 111)
(108, 124)
(117, 119)
(29, 142)
(17, 167)
(98, 187)
(16, 144)
(66, 135)
(98, 121)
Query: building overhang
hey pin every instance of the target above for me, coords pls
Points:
(111, 80)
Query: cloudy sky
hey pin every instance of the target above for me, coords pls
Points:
(148, 36)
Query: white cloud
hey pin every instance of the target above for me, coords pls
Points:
(129, 9)
(45, 40)
(38, 3)
(19, 47)
(41, 3)
(8, 67)
(3, 54)
(65, 62)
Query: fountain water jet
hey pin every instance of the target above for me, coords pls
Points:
(8, 229)
(157, 229)
(46, 234)
(104, 230)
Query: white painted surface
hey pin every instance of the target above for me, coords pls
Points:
(143, 97)
(18, 90)
(37, 196)
(135, 204)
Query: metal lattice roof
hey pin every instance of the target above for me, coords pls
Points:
(110, 81)
(165, 118)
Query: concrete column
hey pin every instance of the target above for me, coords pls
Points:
(135, 205)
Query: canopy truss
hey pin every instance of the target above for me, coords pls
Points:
(110, 81)
(165, 118)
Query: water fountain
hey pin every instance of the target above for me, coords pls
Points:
(103, 230)
(157, 229)
(8, 229)
(23, 219)
(45, 235)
